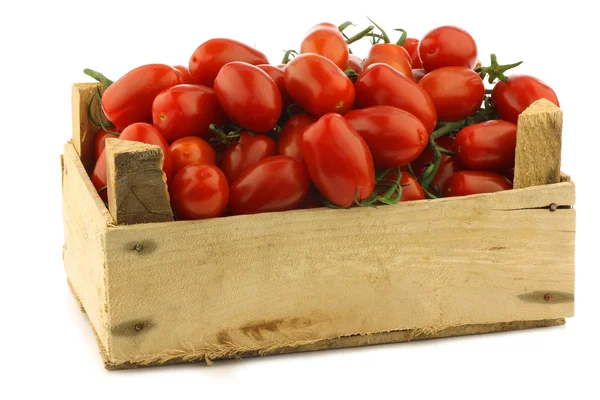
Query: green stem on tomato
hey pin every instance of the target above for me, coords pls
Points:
(495, 70)
(360, 35)
(449, 127)
(427, 176)
(429, 195)
(403, 37)
(345, 25)
(488, 91)
(99, 77)
(384, 35)
(288, 56)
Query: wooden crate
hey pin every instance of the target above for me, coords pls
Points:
(170, 292)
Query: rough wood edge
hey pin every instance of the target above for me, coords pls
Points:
(362, 340)
(84, 132)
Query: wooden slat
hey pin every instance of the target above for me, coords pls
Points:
(84, 132)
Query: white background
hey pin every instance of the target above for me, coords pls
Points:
(47, 347)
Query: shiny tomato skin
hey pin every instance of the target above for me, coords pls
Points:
(199, 191)
(185, 73)
(380, 84)
(488, 145)
(411, 188)
(447, 46)
(244, 154)
(412, 47)
(326, 40)
(248, 96)
(191, 150)
(456, 92)
(449, 165)
(391, 54)
(186, 110)
(464, 183)
(99, 175)
(212, 55)
(513, 97)
(276, 74)
(395, 137)
(146, 133)
(277, 183)
(318, 85)
(354, 63)
(129, 99)
(100, 141)
(418, 74)
(290, 138)
(338, 159)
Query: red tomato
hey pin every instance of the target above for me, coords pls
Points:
(310, 202)
(99, 144)
(411, 189)
(199, 191)
(186, 110)
(146, 133)
(456, 92)
(282, 66)
(464, 183)
(338, 159)
(276, 183)
(448, 166)
(326, 40)
(99, 177)
(318, 85)
(276, 74)
(447, 46)
(395, 137)
(380, 84)
(509, 174)
(212, 55)
(354, 63)
(185, 73)
(192, 150)
(248, 96)
(247, 152)
(129, 99)
(488, 145)
(512, 98)
(418, 74)
(391, 54)
(412, 47)
(290, 139)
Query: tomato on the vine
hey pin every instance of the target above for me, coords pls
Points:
(276, 183)
(449, 165)
(391, 54)
(488, 145)
(185, 73)
(447, 46)
(276, 74)
(464, 183)
(380, 84)
(326, 40)
(290, 138)
(248, 151)
(318, 85)
(412, 47)
(456, 92)
(513, 97)
(395, 137)
(411, 188)
(338, 159)
(192, 150)
(248, 96)
(354, 63)
(100, 141)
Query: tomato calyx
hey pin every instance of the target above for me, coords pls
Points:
(495, 70)
(403, 37)
(102, 121)
(382, 35)
(293, 109)
(230, 137)
(344, 26)
(99, 77)
(350, 73)
(289, 54)
(360, 35)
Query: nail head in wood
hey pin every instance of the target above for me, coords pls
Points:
(139, 247)
(553, 207)
(547, 297)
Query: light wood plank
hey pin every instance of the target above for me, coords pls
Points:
(84, 132)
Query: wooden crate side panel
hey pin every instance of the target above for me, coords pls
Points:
(84, 131)
(229, 286)
(85, 222)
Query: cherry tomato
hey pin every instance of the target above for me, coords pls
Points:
(99, 142)
(512, 98)
(380, 84)
(448, 166)
(488, 145)
(391, 54)
(354, 63)
(199, 191)
(338, 159)
(290, 138)
(318, 85)
(411, 189)
(447, 46)
(146, 133)
(464, 183)
(212, 55)
(276, 183)
(395, 137)
(326, 40)
(185, 73)
(456, 92)
(418, 74)
(247, 152)
(248, 96)
(276, 74)
(192, 150)
(412, 47)
(186, 110)
(129, 99)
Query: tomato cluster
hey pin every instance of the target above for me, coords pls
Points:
(411, 120)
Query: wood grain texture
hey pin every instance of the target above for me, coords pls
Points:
(84, 132)
(137, 185)
(85, 221)
(539, 143)
(229, 286)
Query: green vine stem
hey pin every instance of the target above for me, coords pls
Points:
(345, 25)
(384, 36)
(449, 127)
(226, 138)
(360, 35)
(429, 195)
(403, 37)
(495, 70)
(289, 54)
(427, 176)
(99, 77)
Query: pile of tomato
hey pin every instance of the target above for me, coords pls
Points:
(412, 120)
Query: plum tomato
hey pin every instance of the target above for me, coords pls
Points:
(354, 63)
(248, 96)
(192, 150)
(395, 137)
(449, 165)
(318, 85)
(185, 73)
(277, 183)
(100, 141)
(338, 159)
(464, 183)
(412, 47)
(276, 74)
(146, 133)
(290, 138)
(488, 145)
(391, 54)
(326, 40)
(247, 152)
(411, 189)
(418, 74)
(199, 191)
(456, 92)
(447, 46)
